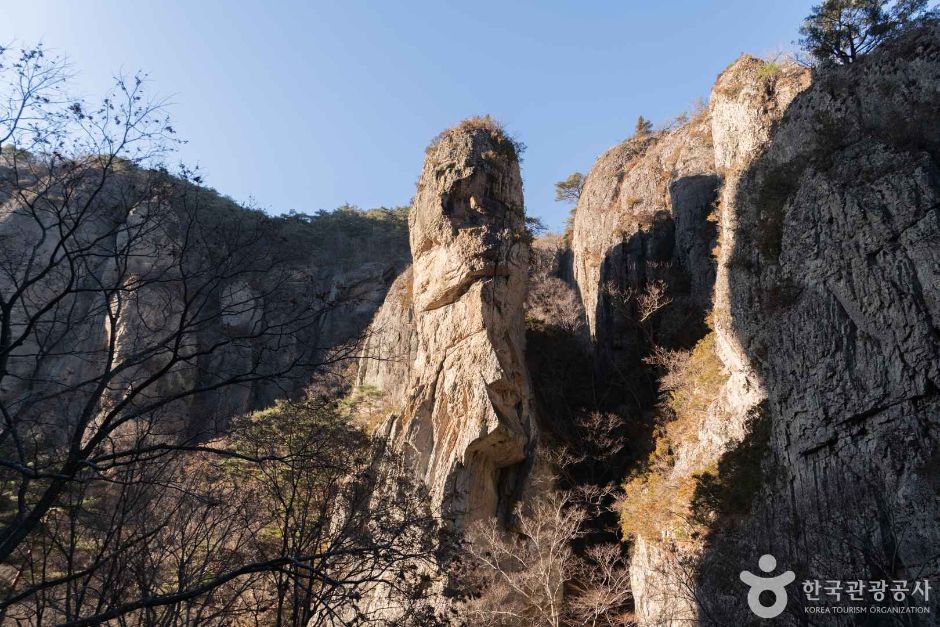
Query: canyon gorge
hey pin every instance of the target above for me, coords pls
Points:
(734, 347)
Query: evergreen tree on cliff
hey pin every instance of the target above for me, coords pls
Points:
(569, 190)
(843, 30)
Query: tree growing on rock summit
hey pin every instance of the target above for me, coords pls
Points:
(569, 190)
(843, 30)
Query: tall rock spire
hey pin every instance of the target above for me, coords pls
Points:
(466, 420)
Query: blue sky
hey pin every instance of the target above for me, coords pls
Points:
(308, 105)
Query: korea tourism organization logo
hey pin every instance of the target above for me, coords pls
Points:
(775, 585)
(833, 596)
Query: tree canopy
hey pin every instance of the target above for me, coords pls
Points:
(844, 30)
(569, 190)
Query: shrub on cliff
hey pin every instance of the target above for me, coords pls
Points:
(510, 145)
(656, 502)
(643, 127)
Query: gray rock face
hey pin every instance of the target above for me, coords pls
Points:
(825, 312)
(466, 422)
(333, 299)
(747, 101)
(639, 198)
(833, 280)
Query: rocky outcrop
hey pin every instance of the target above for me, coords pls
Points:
(641, 209)
(819, 446)
(830, 293)
(465, 422)
(391, 344)
(746, 102)
(649, 213)
(264, 299)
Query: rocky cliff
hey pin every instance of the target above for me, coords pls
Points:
(261, 300)
(812, 434)
(640, 208)
(457, 379)
(833, 233)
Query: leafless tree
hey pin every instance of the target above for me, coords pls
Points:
(291, 519)
(138, 313)
(550, 301)
(602, 591)
(531, 573)
(672, 363)
(523, 573)
(553, 302)
(639, 305)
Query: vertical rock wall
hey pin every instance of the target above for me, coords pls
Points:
(829, 293)
(825, 319)
(639, 199)
(323, 298)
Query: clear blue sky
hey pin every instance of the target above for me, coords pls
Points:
(307, 105)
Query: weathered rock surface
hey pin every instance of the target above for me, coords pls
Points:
(641, 205)
(747, 101)
(649, 209)
(466, 422)
(825, 312)
(391, 344)
(332, 294)
(831, 295)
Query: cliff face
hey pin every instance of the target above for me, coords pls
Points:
(816, 438)
(465, 420)
(243, 314)
(832, 288)
(641, 207)
(745, 107)
(391, 344)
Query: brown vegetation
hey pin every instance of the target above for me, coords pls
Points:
(506, 143)
(134, 306)
(655, 501)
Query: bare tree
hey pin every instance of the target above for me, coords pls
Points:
(292, 519)
(531, 573)
(647, 301)
(523, 573)
(138, 313)
(602, 591)
(672, 363)
(553, 303)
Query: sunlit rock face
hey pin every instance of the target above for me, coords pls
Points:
(465, 420)
(746, 105)
(640, 198)
(824, 309)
